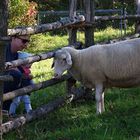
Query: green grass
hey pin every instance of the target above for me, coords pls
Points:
(78, 120)
(45, 42)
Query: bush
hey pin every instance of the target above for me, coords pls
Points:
(22, 12)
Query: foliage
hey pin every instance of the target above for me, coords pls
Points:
(22, 12)
(103, 4)
(52, 5)
(117, 4)
(99, 4)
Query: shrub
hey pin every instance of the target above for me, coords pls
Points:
(21, 13)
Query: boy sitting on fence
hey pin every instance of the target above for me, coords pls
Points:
(26, 80)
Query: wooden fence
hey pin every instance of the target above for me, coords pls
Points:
(72, 23)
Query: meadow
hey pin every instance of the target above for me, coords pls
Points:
(78, 120)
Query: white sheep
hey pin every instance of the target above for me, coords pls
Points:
(102, 66)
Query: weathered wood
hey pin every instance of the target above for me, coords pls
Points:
(106, 18)
(34, 58)
(35, 87)
(72, 8)
(72, 14)
(70, 83)
(89, 18)
(64, 22)
(5, 38)
(89, 10)
(3, 32)
(42, 111)
(72, 32)
(101, 11)
(137, 27)
(29, 60)
(54, 12)
(6, 78)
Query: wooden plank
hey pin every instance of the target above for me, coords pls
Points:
(89, 18)
(72, 32)
(106, 18)
(89, 10)
(42, 111)
(104, 11)
(62, 23)
(6, 78)
(29, 60)
(35, 58)
(72, 13)
(3, 32)
(35, 87)
(137, 27)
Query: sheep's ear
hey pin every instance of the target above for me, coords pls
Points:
(63, 56)
(68, 59)
(69, 62)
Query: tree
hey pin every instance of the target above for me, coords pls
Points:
(22, 12)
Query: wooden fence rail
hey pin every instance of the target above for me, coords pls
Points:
(36, 57)
(64, 23)
(35, 87)
(6, 78)
(71, 23)
(29, 60)
(106, 18)
(39, 112)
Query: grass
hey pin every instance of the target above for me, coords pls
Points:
(78, 121)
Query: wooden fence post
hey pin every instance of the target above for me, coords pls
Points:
(72, 13)
(3, 32)
(89, 12)
(72, 39)
(137, 28)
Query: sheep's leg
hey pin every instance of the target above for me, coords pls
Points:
(102, 103)
(99, 96)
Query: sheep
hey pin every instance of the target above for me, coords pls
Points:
(101, 66)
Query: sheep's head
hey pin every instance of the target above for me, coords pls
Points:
(62, 62)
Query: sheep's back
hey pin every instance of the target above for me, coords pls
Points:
(116, 64)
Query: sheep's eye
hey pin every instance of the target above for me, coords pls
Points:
(64, 59)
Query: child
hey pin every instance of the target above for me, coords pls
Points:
(26, 80)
